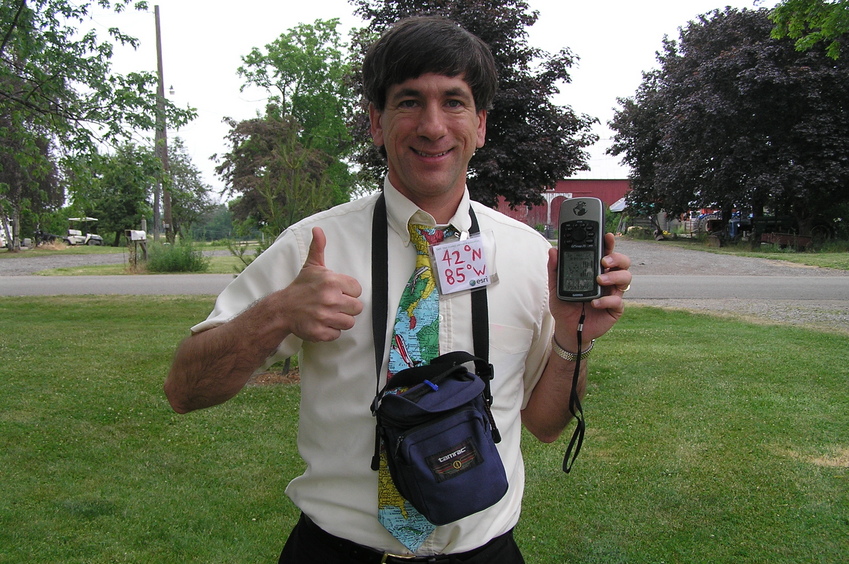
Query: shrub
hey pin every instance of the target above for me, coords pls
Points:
(179, 257)
(638, 232)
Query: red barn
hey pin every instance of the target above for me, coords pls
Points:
(608, 191)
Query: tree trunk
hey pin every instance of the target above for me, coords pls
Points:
(13, 237)
(805, 226)
(9, 239)
(757, 230)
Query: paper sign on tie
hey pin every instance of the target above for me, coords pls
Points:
(461, 265)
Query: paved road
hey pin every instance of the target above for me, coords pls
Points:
(710, 287)
(148, 284)
(664, 276)
(646, 287)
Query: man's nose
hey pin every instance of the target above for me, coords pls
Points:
(432, 122)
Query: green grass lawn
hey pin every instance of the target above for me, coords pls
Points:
(709, 440)
(217, 265)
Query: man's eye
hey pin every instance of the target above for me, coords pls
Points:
(455, 104)
(407, 104)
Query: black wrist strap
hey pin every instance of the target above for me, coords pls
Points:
(575, 404)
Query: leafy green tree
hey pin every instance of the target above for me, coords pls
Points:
(736, 119)
(29, 182)
(118, 197)
(305, 71)
(216, 224)
(57, 82)
(810, 22)
(60, 76)
(190, 196)
(531, 142)
(277, 180)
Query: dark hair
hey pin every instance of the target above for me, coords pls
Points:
(421, 45)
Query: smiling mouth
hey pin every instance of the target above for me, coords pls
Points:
(430, 155)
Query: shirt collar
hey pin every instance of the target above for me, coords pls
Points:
(401, 212)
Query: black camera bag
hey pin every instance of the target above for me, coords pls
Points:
(437, 429)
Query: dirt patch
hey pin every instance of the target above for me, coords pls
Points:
(56, 245)
(274, 378)
(838, 459)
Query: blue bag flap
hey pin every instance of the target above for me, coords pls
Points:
(422, 400)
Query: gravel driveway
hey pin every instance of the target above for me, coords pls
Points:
(650, 257)
(24, 265)
(647, 258)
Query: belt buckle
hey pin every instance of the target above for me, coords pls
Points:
(387, 555)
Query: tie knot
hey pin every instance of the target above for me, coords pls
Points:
(422, 236)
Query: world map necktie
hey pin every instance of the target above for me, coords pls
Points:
(415, 341)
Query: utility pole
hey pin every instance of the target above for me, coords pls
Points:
(161, 148)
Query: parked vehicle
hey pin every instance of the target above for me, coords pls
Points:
(76, 236)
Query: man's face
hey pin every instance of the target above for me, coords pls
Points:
(430, 130)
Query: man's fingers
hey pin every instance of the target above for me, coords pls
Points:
(315, 255)
(621, 279)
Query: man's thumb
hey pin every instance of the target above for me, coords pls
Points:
(315, 256)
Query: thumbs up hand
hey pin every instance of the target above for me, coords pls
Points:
(315, 255)
(321, 303)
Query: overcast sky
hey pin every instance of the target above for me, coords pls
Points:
(203, 42)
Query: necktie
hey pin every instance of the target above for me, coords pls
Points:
(415, 341)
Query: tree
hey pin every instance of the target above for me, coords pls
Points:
(277, 179)
(56, 82)
(531, 143)
(190, 197)
(735, 119)
(29, 183)
(214, 225)
(305, 71)
(810, 22)
(119, 196)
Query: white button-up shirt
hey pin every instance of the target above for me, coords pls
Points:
(338, 489)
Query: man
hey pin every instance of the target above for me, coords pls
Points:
(429, 84)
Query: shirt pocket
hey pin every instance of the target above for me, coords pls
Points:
(509, 340)
(509, 348)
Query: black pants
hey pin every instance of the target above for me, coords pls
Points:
(309, 544)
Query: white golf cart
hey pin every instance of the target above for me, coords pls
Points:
(76, 236)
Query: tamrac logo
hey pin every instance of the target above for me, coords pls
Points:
(453, 461)
(454, 454)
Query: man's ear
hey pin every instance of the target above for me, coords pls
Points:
(481, 128)
(375, 126)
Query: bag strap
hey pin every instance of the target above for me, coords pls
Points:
(379, 281)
